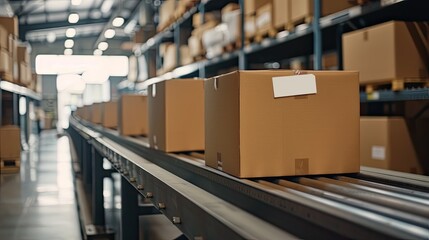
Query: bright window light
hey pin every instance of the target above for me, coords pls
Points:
(109, 33)
(69, 43)
(98, 52)
(103, 46)
(60, 64)
(72, 83)
(95, 77)
(68, 51)
(76, 2)
(73, 18)
(51, 37)
(70, 32)
(118, 21)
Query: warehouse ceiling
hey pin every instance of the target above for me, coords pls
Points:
(46, 21)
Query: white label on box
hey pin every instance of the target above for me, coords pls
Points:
(294, 85)
(378, 152)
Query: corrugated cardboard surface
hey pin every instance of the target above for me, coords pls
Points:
(251, 134)
(10, 142)
(110, 114)
(384, 52)
(281, 13)
(5, 61)
(96, 113)
(10, 24)
(23, 55)
(133, 115)
(391, 135)
(176, 115)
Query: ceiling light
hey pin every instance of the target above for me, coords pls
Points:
(73, 18)
(68, 51)
(69, 43)
(51, 37)
(76, 2)
(109, 33)
(103, 46)
(98, 52)
(118, 21)
(70, 32)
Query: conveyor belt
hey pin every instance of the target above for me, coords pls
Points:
(370, 205)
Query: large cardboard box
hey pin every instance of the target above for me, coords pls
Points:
(302, 9)
(385, 142)
(386, 52)
(96, 113)
(110, 114)
(176, 115)
(132, 117)
(10, 142)
(10, 24)
(252, 133)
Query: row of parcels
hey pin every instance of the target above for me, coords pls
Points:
(15, 63)
(249, 123)
(262, 123)
(10, 149)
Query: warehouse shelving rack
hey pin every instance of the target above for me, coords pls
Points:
(10, 95)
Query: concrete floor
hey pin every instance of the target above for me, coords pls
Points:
(39, 203)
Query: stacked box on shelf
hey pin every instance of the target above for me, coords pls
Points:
(166, 14)
(271, 17)
(174, 126)
(392, 52)
(10, 149)
(225, 35)
(170, 55)
(96, 113)
(24, 66)
(276, 123)
(183, 6)
(250, 7)
(201, 25)
(301, 11)
(110, 114)
(185, 55)
(385, 142)
(132, 115)
(8, 51)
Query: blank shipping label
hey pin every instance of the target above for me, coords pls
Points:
(295, 85)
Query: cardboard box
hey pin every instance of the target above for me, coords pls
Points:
(213, 16)
(250, 26)
(10, 142)
(230, 7)
(96, 113)
(10, 24)
(273, 15)
(176, 115)
(185, 55)
(250, 6)
(385, 142)
(5, 61)
(170, 58)
(250, 133)
(23, 54)
(198, 32)
(166, 11)
(4, 38)
(232, 19)
(302, 9)
(24, 78)
(386, 52)
(195, 46)
(110, 114)
(133, 116)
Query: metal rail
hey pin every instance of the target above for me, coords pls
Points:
(369, 205)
